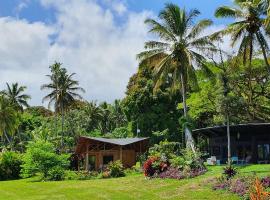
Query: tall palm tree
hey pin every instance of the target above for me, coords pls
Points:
(9, 121)
(248, 28)
(178, 50)
(63, 90)
(16, 95)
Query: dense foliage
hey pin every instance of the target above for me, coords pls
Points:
(10, 165)
(166, 160)
(40, 157)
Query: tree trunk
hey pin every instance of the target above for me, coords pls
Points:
(5, 133)
(188, 136)
(63, 119)
(229, 139)
(183, 94)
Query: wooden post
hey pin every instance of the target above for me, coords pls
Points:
(87, 158)
(121, 154)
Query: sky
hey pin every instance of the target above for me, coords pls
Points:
(96, 39)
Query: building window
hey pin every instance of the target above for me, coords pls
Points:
(107, 159)
(263, 151)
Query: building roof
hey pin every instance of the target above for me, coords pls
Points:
(120, 142)
(249, 127)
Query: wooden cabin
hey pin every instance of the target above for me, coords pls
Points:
(98, 152)
(249, 142)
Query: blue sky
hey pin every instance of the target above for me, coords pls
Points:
(32, 10)
(96, 39)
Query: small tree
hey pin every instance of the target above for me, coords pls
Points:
(40, 157)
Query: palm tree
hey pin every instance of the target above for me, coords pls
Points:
(9, 121)
(118, 116)
(15, 94)
(63, 90)
(178, 50)
(94, 115)
(265, 5)
(248, 30)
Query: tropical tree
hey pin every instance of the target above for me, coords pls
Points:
(93, 114)
(118, 116)
(16, 95)
(178, 50)
(248, 30)
(63, 90)
(9, 120)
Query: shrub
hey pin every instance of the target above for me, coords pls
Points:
(192, 160)
(148, 167)
(71, 175)
(229, 172)
(80, 175)
(40, 157)
(116, 169)
(165, 149)
(56, 174)
(178, 162)
(10, 165)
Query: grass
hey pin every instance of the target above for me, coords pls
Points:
(130, 187)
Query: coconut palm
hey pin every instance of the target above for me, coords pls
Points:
(9, 120)
(178, 50)
(63, 90)
(94, 115)
(15, 94)
(247, 30)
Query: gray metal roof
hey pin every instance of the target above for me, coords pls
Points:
(121, 142)
(235, 127)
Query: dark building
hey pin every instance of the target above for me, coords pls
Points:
(248, 142)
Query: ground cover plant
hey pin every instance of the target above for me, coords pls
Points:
(248, 187)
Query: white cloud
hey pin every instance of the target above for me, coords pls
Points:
(88, 42)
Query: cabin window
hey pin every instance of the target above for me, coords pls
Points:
(107, 159)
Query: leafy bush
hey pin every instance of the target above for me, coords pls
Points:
(56, 174)
(116, 169)
(40, 157)
(192, 160)
(148, 167)
(165, 149)
(229, 172)
(10, 165)
(167, 156)
(80, 175)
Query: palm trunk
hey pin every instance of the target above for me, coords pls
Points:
(183, 94)
(5, 133)
(188, 136)
(229, 139)
(264, 53)
(63, 119)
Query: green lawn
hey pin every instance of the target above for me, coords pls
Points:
(130, 187)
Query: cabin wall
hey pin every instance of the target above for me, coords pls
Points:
(128, 157)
